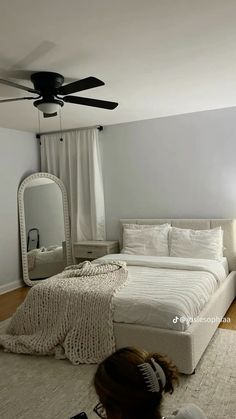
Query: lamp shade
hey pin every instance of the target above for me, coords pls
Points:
(48, 107)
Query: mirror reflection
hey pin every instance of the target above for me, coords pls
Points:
(45, 233)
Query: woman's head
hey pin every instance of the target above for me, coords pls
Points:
(128, 386)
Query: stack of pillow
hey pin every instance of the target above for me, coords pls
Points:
(164, 240)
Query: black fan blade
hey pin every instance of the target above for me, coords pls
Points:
(17, 98)
(49, 115)
(90, 102)
(18, 86)
(79, 85)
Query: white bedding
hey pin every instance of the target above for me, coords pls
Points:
(160, 288)
(224, 263)
(44, 255)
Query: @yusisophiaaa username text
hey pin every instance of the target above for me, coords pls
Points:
(184, 319)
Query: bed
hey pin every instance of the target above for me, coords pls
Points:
(128, 314)
(46, 262)
(186, 347)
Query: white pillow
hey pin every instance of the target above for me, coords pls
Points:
(201, 244)
(151, 241)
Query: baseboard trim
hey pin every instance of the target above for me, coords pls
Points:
(10, 287)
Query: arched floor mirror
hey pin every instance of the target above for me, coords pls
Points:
(44, 227)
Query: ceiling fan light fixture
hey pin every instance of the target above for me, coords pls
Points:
(48, 107)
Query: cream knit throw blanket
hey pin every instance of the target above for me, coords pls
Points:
(69, 315)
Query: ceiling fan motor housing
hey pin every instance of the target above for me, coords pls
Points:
(47, 82)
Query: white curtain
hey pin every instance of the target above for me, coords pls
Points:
(74, 158)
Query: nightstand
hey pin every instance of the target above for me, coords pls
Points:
(93, 249)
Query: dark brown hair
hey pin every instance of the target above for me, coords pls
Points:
(121, 387)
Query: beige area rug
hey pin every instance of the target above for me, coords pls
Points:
(34, 387)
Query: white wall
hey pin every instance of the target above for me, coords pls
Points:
(19, 157)
(178, 166)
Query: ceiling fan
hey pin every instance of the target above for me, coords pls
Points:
(52, 93)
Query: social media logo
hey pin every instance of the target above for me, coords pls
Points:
(175, 319)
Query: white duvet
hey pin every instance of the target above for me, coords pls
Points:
(165, 292)
(44, 255)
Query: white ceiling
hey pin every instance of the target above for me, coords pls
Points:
(156, 57)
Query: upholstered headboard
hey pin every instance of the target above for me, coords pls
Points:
(228, 226)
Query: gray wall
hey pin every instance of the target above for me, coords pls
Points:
(178, 166)
(19, 157)
(44, 210)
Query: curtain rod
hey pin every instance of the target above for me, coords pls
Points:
(38, 135)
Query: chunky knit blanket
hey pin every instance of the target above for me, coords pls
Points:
(69, 315)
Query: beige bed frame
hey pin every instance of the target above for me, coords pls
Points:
(186, 348)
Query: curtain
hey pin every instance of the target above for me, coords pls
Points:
(74, 158)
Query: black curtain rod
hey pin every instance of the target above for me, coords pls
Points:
(38, 135)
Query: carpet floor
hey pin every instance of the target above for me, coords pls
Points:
(42, 387)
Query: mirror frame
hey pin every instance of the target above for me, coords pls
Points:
(23, 238)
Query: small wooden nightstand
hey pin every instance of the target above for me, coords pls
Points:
(93, 249)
